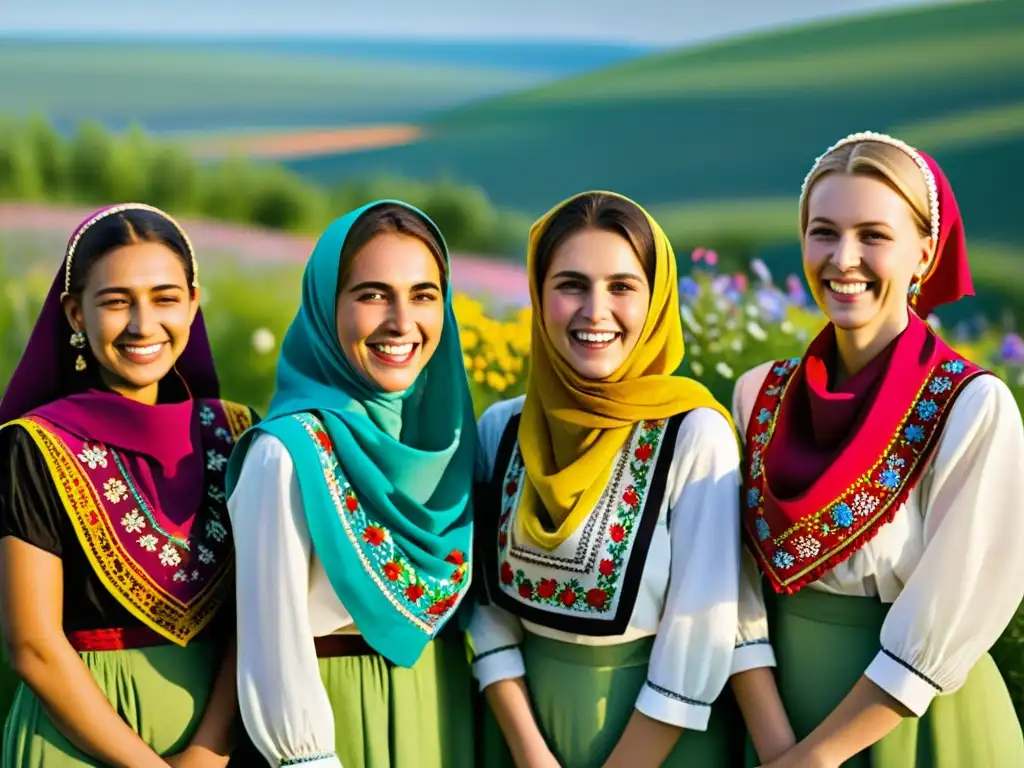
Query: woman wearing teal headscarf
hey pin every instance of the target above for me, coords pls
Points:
(351, 510)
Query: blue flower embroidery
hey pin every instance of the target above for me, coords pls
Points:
(842, 515)
(753, 496)
(953, 366)
(755, 463)
(927, 409)
(761, 438)
(781, 370)
(782, 560)
(913, 433)
(939, 385)
(889, 478)
(764, 415)
(762, 529)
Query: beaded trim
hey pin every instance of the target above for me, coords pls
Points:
(121, 209)
(882, 138)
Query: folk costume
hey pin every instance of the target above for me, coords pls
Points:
(131, 498)
(883, 512)
(352, 511)
(609, 553)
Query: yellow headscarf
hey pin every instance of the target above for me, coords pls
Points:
(572, 428)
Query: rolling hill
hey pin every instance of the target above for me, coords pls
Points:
(717, 138)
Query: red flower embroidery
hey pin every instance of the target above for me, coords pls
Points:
(441, 606)
(596, 598)
(511, 487)
(455, 557)
(567, 598)
(546, 588)
(373, 535)
(506, 574)
(457, 576)
(414, 592)
(630, 496)
(607, 567)
(393, 570)
(526, 589)
(502, 539)
(325, 440)
(618, 533)
(351, 502)
(643, 453)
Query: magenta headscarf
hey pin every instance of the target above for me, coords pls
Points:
(161, 441)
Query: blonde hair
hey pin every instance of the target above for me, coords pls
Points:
(884, 162)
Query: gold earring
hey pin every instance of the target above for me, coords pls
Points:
(78, 342)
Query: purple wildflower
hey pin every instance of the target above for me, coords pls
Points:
(1012, 349)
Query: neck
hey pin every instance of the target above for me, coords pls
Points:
(860, 346)
(146, 395)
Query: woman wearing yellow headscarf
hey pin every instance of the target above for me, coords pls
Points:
(607, 516)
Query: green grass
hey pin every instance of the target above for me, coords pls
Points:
(179, 87)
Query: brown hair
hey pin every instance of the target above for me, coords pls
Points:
(395, 219)
(601, 211)
(884, 162)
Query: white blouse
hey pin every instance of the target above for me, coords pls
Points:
(950, 563)
(687, 595)
(284, 600)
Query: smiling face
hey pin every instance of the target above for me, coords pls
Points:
(135, 308)
(390, 310)
(862, 247)
(595, 298)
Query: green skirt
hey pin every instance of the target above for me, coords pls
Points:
(823, 643)
(393, 717)
(583, 697)
(161, 692)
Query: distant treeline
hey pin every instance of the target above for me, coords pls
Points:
(95, 167)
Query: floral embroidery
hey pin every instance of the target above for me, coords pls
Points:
(148, 542)
(93, 456)
(422, 599)
(224, 435)
(804, 551)
(180, 575)
(133, 522)
(215, 460)
(206, 555)
(216, 530)
(570, 593)
(115, 490)
(169, 555)
(206, 416)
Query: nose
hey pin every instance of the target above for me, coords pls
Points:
(142, 320)
(596, 306)
(847, 253)
(400, 317)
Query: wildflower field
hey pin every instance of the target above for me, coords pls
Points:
(732, 322)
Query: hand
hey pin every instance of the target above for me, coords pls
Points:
(541, 758)
(802, 757)
(196, 757)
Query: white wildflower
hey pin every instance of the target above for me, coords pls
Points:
(756, 331)
(723, 370)
(263, 341)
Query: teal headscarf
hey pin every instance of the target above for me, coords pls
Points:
(385, 478)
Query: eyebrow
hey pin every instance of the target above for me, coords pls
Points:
(616, 276)
(824, 220)
(384, 287)
(117, 289)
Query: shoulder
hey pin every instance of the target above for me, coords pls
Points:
(493, 421)
(707, 432)
(240, 415)
(985, 401)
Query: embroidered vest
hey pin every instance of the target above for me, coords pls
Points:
(797, 548)
(172, 584)
(589, 584)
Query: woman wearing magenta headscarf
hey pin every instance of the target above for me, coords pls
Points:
(352, 515)
(883, 487)
(115, 549)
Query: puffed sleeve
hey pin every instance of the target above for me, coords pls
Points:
(753, 648)
(693, 649)
(494, 634)
(30, 507)
(970, 580)
(282, 699)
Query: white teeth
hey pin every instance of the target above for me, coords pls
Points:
(150, 350)
(847, 288)
(594, 338)
(395, 350)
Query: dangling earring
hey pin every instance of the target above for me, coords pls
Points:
(914, 291)
(78, 342)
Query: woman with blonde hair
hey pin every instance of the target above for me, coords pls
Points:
(882, 485)
(607, 520)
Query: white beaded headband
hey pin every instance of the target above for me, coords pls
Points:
(121, 209)
(929, 177)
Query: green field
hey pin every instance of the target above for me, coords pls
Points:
(719, 137)
(182, 88)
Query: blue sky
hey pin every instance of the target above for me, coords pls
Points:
(658, 22)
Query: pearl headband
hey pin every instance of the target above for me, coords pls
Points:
(121, 209)
(929, 177)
